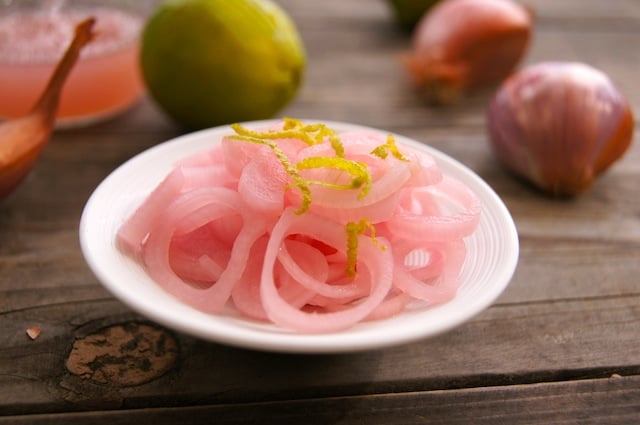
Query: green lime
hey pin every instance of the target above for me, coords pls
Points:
(213, 62)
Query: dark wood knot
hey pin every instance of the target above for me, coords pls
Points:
(123, 355)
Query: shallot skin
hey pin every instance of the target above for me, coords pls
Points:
(463, 45)
(559, 125)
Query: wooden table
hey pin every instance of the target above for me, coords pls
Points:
(561, 345)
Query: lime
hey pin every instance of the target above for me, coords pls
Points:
(213, 62)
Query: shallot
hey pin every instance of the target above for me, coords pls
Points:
(559, 125)
(463, 45)
(306, 228)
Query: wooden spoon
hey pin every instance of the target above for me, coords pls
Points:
(22, 139)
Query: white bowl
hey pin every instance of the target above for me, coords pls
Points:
(491, 260)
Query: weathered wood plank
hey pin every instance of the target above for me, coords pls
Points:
(586, 10)
(326, 12)
(612, 401)
(507, 344)
(570, 313)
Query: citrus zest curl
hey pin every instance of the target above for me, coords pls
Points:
(361, 176)
(390, 146)
(311, 134)
(355, 229)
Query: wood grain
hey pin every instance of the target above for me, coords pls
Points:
(507, 344)
(612, 400)
(561, 345)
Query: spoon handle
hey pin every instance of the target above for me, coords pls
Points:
(47, 104)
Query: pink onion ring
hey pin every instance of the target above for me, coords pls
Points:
(377, 261)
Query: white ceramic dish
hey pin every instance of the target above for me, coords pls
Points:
(491, 260)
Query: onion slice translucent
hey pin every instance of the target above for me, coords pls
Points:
(314, 234)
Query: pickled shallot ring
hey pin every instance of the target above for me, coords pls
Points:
(377, 212)
(378, 262)
(135, 229)
(187, 212)
(416, 276)
(298, 181)
(441, 227)
(424, 170)
(335, 292)
(445, 286)
(392, 305)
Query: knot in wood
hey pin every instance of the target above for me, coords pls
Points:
(123, 355)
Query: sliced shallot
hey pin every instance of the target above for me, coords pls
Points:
(306, 228)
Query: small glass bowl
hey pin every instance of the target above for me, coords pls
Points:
(106, 79)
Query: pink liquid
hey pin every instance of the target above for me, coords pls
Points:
(104, 81)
